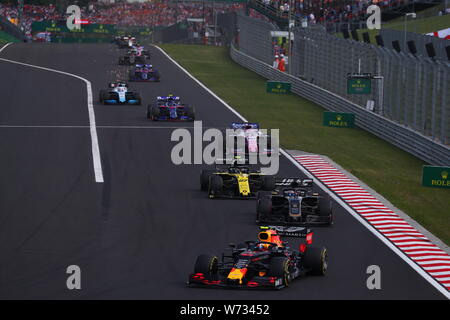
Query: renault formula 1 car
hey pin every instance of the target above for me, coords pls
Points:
(294, 202)
(118, 93)
(263, 264)
(235, 181)
(145, 73)
(170, 108)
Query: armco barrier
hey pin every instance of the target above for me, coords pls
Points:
(422, 147)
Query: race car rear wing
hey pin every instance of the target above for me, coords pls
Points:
(293, 232)
(294, 182)
(240, 125)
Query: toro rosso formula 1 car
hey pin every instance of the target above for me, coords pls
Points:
(263, 264)
(170, 108)
(118, 93)
(235, 181)
(294, 203)
(252, 140)
(145, 73)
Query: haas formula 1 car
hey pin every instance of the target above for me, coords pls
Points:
(248, 139)
(132, 58)
(170, 108)
(144, 73)
(235, 181)
(118, 93)
(294, 203)
(264, 264)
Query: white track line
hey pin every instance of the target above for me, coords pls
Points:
(396, 250)
(94, 138)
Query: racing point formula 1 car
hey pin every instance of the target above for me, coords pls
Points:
(264, 264)
(118, 93)
(132, 58)
(294, 203)
(145, 73)
(170, 108)
(235, 181)
(251, 134)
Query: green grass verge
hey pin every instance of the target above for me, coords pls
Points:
(5, 38)
(390, 171)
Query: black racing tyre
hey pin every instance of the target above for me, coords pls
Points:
(137, 96)
(215, 183)
(279, 267)
(204, 179)
(268, 183)
(316, 260)
(206, 264)
(154, 112)
(325, 206)
(102, 96)
(263, 208)
(190, 112)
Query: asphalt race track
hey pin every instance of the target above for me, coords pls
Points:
(137, 235)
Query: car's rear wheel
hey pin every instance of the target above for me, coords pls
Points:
(190, 112)
(279, 267)
(206, 264)
(316, 260)
(215, 184)
(268, 183)
(325, 208)
(204, 179)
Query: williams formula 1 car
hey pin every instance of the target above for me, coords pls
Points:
(235, 181)
(264, 264)
(170, 108)
(118, 93)
(294, 203)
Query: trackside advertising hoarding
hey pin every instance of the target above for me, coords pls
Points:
(338, 119)
(278, 87)
(437, 177)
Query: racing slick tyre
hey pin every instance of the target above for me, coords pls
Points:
(206, 264)
(316, 260)
(268, 183)
(325, 208)
(279, 267)
(215, 184)
(263, 209)
(190, 112)
(137, 96)
(153, 112)
(204, 179)
(102, 96)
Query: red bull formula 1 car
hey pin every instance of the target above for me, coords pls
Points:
(263, 264)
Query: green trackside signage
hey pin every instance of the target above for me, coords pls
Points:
(437, 177)
(359, 84)
(338, 119)
(278, 87)
(51, 26)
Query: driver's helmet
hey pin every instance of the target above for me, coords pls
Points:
(290, 193)
(233, 170)
(262, 247)
(244, 170)
(265, 236)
